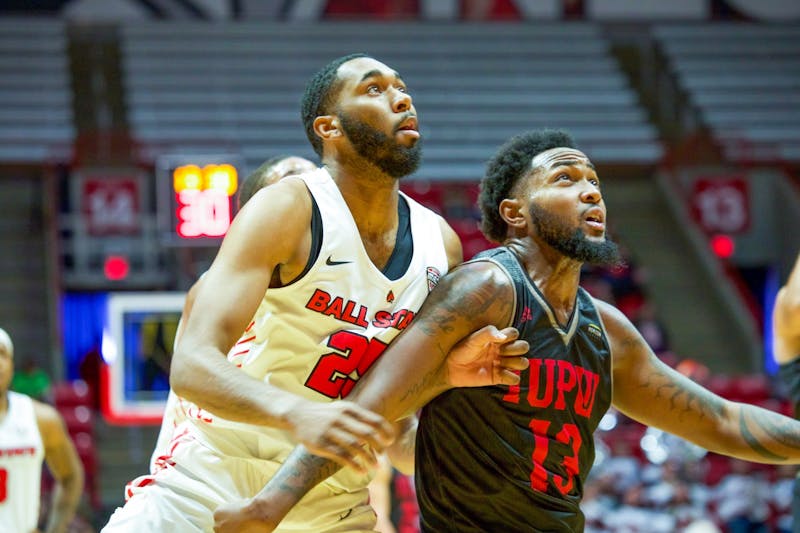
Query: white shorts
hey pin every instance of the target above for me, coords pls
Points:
(183, 496)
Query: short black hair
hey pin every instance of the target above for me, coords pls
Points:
(255, 180)
(320, 93)
(510, 163)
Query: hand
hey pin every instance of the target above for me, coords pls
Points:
(241, 517)
(487, 356)
(340, 430)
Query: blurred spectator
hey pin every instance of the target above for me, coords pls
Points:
(742, 500)
(31, 380)
(651, 328)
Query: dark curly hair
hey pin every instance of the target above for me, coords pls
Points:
(254, 182)
(320, 93)
(510, 163)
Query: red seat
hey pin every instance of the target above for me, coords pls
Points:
(87, 452)
(78, 419)
(71, 393)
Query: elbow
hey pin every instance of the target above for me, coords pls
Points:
(179, 380)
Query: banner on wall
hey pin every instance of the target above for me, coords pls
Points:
(721, 204)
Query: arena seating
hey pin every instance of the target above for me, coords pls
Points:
(35, 97)
(745, 82)
(238, 87)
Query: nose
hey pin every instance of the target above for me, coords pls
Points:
(401, 102)
(591, 194)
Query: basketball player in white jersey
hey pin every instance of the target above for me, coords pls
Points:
(32, 432)
(321, 271)
(270, 171)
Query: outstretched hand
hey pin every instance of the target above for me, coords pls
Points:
(487, 356)
(340, 430)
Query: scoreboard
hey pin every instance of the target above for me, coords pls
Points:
(196, 197)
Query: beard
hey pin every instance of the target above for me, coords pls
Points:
(380, 149)
(557, 232)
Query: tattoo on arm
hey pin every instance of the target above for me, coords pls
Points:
(685, 400)
(301, 472)
(776, 428)
(460, 301)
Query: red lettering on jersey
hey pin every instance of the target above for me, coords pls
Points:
(345, 310)
(566, 382)
(535, 397)
(398, 320)
(335, 308)
(14, 452)
(561, 377)
(587, 389)
(405, 319)
(383, 319)
(318, 301)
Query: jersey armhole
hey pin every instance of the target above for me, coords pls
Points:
(316, 241)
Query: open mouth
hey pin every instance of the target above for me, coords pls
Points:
(595, 220)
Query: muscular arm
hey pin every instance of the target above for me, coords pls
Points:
(786, 319)
(649, 391)
(272, 230)
(410, 373)
(64, 464)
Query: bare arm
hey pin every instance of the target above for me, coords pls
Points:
(410, 373)
(64, 464)
(272, 230)
(786, 318)
(649, 391)
(401, 452)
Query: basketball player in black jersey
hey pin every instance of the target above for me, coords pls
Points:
(515, 458)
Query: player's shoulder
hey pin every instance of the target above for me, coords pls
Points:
(49, 420)
(45, 412)
(482, 273)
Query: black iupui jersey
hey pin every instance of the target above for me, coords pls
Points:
(515, 458)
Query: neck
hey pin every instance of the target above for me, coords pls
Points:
(370, 194)
(554, 274)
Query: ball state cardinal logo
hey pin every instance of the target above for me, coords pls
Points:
(433, 277)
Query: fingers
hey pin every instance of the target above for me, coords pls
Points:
(507, 334)
(344, 449)
(514, 348)
(513, 363)
(353, 436)
(490, 334)
(505, 376)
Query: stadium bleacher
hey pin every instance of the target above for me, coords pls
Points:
(744, 80)
(474, 86)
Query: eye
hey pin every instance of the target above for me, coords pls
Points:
(373, 89)
(595, 182)
(402, 89)
(563, 177)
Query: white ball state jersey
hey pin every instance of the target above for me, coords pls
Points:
(318, 335)
(21, 457)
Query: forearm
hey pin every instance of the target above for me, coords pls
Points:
(757, 435)
(301, 472)
(64, 502)
(214, 384)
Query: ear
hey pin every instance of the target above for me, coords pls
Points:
(511, 211)
(327, 127)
